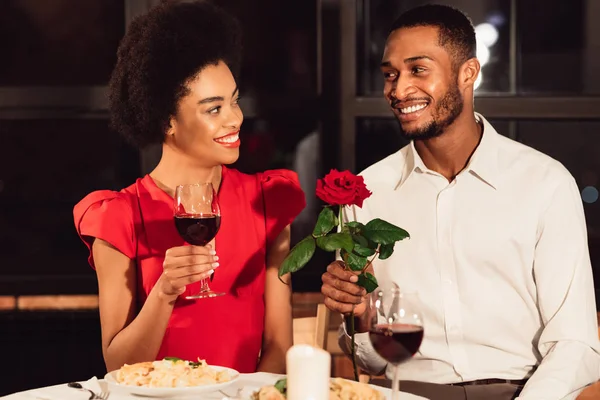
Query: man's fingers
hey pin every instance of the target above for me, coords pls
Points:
(340, 296)
(336, 269)
(342, 285)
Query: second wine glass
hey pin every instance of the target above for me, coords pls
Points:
(197, 218)
(395, 328)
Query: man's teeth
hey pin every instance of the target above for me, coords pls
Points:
(412, 109)
(228, 139)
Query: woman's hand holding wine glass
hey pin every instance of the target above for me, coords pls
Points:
(197, 217)
(184, 265)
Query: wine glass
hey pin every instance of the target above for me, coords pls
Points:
(197, 219)
(395, 328)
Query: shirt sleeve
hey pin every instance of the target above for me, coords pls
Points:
(106, 215)
(568, 344)
(283, 200)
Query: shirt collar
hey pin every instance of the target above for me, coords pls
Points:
(483, 164)
(484, 161)
(412, 162)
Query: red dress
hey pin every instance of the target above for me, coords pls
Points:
(138, 220)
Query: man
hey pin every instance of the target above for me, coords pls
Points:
(498, 249)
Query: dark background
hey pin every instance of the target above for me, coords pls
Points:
(311, 96)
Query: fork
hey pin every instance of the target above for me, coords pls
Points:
(227, 397)
(93, 395)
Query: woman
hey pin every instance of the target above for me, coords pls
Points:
(173, 84)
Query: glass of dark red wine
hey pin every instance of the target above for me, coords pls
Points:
(395, 328)
(197, 219)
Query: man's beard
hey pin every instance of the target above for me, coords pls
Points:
(451, 105)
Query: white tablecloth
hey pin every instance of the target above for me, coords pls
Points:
(247, 382)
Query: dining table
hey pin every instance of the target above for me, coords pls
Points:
(241, 389)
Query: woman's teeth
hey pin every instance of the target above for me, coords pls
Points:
(228, 139)
(412, 109)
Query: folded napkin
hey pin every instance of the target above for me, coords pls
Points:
(63, 392)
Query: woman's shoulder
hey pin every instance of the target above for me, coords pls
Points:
(283, 199)
(108, 215)
(120, 201)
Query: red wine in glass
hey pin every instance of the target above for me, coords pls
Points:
(395, 328)
(197, 217)
(196, 229)
(396, 343)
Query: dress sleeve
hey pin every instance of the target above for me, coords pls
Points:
(106, 215)
(283, 200)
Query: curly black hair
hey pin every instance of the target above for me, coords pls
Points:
(161, 51)
(456, 32)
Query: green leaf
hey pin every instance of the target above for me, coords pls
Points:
(355, 227)
(335, 241)
(363, 247)
(382, 232)
(298, 257)
(368, 281)
(325, 223)
(192, 364)
(360, 240)
(353, 261)
(281, 385)
(363, 251)
(386, 250)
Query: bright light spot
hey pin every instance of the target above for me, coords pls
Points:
(486, 34)
(589, 194)
(478, 80)
(483, 53)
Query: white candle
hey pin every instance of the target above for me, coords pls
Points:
(308, 373)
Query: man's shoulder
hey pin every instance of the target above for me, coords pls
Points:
(529, 161)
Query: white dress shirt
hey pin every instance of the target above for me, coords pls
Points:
(500, 260)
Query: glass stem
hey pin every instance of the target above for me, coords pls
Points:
(204, 285)
(396, 384)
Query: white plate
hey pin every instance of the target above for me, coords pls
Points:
(251, 383)
(114, 386)
(247, 392)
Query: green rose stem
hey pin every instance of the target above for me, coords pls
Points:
(353, 346)
(352, 328)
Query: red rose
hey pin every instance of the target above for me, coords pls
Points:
(342, 188)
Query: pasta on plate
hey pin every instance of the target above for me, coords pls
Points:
(339, 389)
(170, 373)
